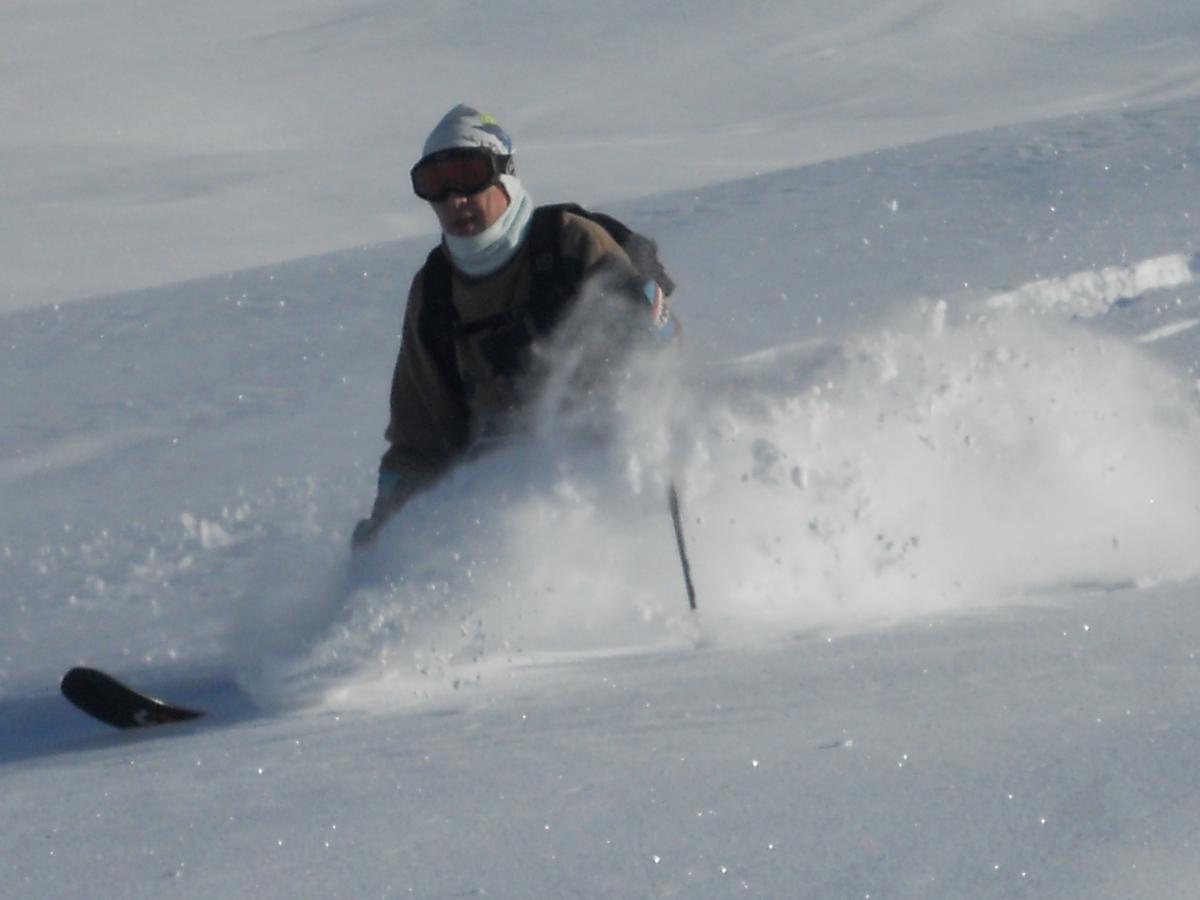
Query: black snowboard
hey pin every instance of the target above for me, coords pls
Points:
(103, 697)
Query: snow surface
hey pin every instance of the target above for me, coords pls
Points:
(935, 427)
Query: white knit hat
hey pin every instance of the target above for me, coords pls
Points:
(465, 126)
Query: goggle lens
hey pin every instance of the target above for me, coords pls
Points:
(467, 172)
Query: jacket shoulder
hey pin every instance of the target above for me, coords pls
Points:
(589, 242)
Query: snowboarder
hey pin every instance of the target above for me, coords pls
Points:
(503, 278)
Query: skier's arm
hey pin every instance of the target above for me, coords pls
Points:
(608, 269)
(427, 426)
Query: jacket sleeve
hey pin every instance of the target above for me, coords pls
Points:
(428, 422)
(608, 273)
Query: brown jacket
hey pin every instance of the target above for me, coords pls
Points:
(433, 421)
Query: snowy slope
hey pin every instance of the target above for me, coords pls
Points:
(935, 426)
(144, 145)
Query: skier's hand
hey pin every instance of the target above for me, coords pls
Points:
(364, 533)
(388, 499)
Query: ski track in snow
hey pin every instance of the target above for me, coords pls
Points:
(73, 452)
(1167, 331)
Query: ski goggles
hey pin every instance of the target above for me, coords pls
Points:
(464, 170)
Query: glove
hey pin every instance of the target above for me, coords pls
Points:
(388, 499)
(365, 532)
(663, 324)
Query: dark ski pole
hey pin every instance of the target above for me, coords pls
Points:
(677, 521)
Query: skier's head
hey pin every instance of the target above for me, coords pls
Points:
(466, 171)
(465, 128)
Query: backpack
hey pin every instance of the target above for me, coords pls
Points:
(556, 282)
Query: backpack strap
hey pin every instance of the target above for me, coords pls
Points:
(439, 324)
(555, 278)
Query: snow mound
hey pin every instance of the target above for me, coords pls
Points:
(1093, 292)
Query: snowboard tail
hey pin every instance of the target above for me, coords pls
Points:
(117, 704)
